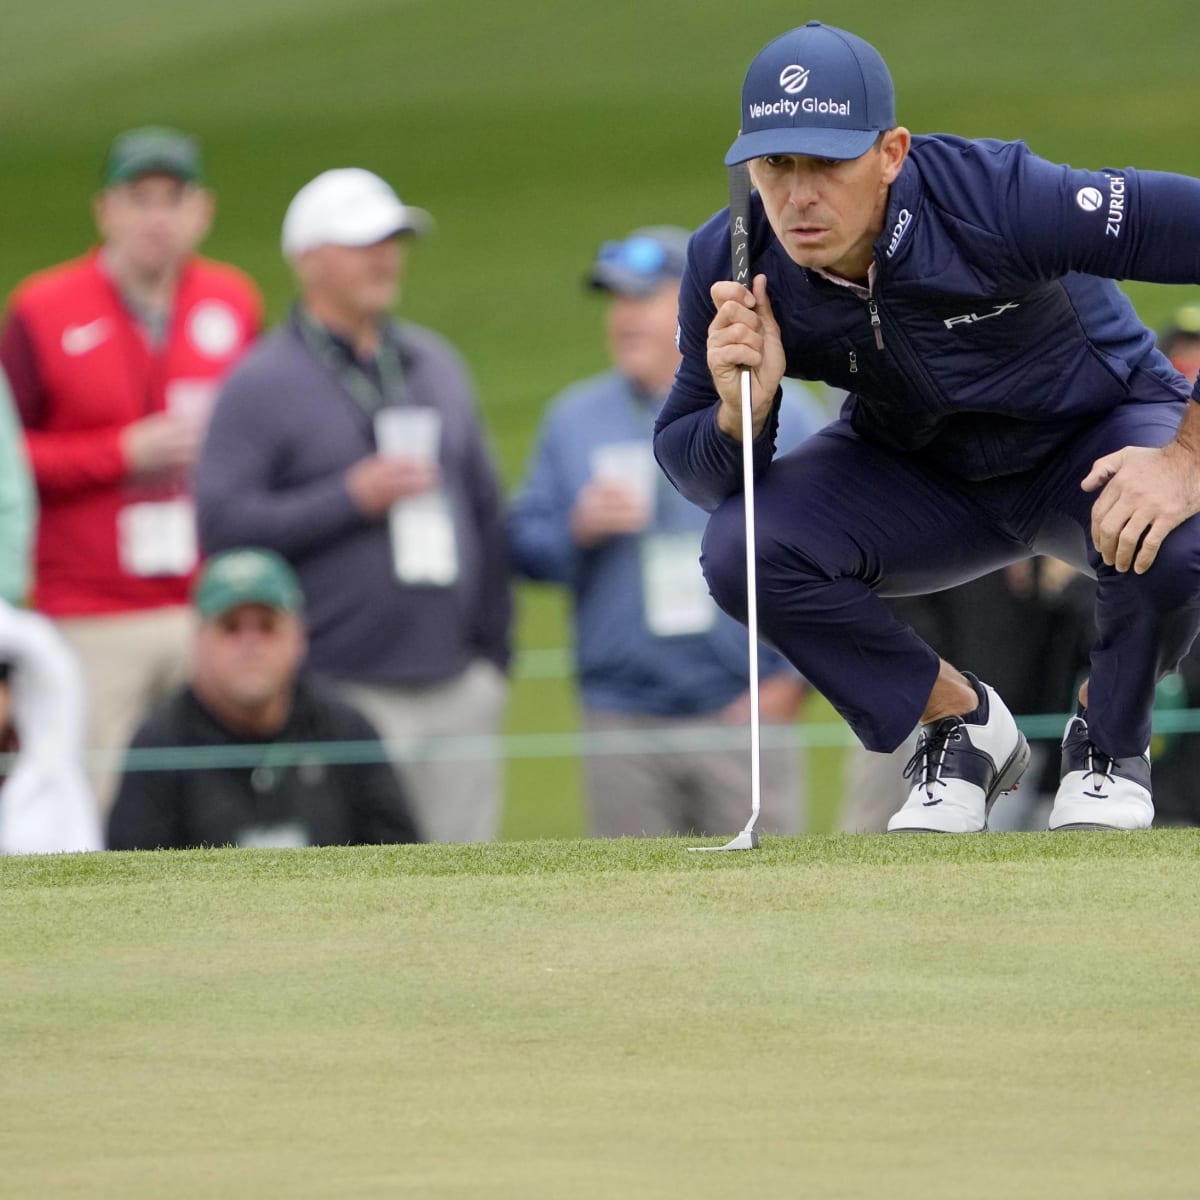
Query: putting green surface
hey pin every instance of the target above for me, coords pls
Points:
(1006, 1015)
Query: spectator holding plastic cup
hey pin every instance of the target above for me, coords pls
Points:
(655, 657)
(349, 443)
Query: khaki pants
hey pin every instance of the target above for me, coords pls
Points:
(129, 660)
(658, 792)
(454, 798)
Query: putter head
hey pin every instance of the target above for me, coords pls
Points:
(746, 840)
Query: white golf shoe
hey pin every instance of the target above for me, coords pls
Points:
(961, 765)
(1098, 792)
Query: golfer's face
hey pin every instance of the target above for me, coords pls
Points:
(825, 212)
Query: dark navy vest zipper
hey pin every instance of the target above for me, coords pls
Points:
(905, 358)
(876, 324)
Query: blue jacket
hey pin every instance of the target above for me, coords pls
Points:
(1002, 330)
(622, 665)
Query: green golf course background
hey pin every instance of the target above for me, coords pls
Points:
(532, 131)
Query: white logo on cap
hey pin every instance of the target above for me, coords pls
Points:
(243, 567)
(1089, 198)
(793, 79)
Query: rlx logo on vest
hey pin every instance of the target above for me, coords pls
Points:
(974, 318)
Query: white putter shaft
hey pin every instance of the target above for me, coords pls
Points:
(748, 838)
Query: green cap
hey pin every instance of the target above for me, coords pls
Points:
(237, 577)
(153, 150)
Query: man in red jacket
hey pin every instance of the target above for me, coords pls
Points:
(114, 359)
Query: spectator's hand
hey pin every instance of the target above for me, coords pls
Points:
(604, 509)
(1144, 493)
(160, 444)
(375, 483)
(779, 699)
(744, 333)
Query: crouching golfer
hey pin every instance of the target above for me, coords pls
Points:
(1005, 401)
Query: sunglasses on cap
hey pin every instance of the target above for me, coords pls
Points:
(639, 255)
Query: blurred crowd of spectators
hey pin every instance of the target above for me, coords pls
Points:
(222, 549)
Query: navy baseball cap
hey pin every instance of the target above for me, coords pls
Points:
(817, 91)
(641, 263)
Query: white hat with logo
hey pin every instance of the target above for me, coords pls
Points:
(347, 207)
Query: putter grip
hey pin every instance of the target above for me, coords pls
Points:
(739, 223)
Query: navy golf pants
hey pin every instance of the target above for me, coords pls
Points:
(840, 523)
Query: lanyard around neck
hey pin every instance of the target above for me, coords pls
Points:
(369, 393)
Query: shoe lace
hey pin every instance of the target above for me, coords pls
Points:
(1099, 764)
(930, 757)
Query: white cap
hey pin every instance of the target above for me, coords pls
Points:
(347, 207)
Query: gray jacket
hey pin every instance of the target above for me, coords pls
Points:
(283, 433)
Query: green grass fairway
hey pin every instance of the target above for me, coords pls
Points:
(990, 1017)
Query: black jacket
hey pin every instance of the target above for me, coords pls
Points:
(268, 801)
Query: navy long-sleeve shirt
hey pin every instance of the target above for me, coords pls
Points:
(1002, 330)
